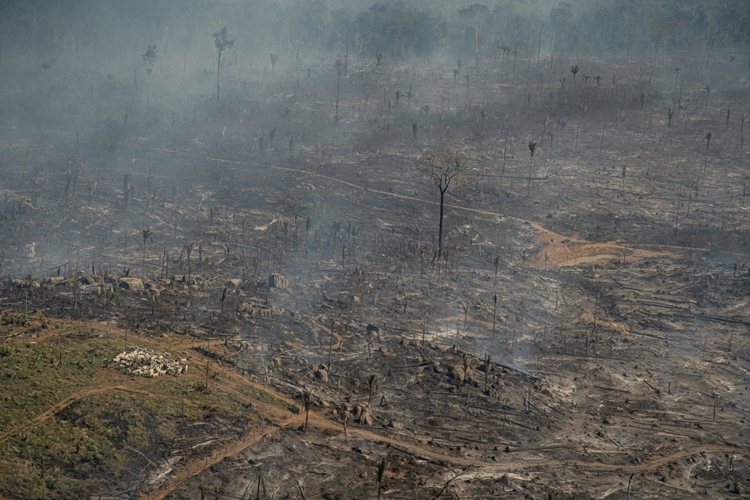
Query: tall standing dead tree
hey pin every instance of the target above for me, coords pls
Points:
(222, 42)
(339, 66)
(382, 468)
(188, 42)
(532, 148)
(443, 168)
(709, 135)
(149, 58)
(146, 235)
(307, 399)
(474, 13)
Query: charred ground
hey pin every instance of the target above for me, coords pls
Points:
(613, 363)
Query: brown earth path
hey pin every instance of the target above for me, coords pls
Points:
(428, 453)
(279, 418)
(419, 450)
(546, 235)
(235, 447)
(60, 405)
(535, 225)
(140, 385)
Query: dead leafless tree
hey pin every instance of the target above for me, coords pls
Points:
(222, 42)
(307, 399)
(443, 168)
(532, 148)
(382, 467)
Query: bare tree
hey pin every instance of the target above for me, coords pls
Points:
(188, 42)
(494, 310)
(532, 148)
(371, 382)
(707, 90)
(670, 115)
(742, 137)
(339, 66)
(222, 42)
(456, 72)
(146, 235)
(149, 58)
(307, 399)
(346, 55)
(474, 13)
(443, 168)
(382, 468)
(709, 135)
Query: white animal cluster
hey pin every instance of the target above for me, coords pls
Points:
(147, 363)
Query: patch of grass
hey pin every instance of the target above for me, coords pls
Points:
(94, 443)
(231, 356)
(104, 441)
(36, 375)
(196, 399)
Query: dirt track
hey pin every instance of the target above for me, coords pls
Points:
(319, 422)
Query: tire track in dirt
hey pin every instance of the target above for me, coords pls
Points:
(60, 405)
(251, 437)
(238, 445)
(428, 453)
(234, 448)
(548, 234)
(645, 466)
(422, 451)
(320, 421)
(535, 225)
(77, 396)
(132, 386)
(135, 385)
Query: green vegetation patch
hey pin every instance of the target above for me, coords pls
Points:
(36, 375)
(232, 355)
(94, 443)
(106, 441)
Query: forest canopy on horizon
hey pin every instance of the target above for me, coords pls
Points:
(401, 29)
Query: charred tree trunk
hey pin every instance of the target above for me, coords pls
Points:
(440, 227)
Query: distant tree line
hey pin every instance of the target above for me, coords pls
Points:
(396, 29)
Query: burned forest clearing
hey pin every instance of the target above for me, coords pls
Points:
(329, 276)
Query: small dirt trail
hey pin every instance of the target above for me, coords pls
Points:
(320, 321)
(135, 385)
(252, 437)
(280, 418)
(546, 235)
(321, 422)
(235, 447)
(533, 224)
(139, 385)
(230, 382)
(648, 464)
(60, 405)
(428, 453)
(132, 387)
